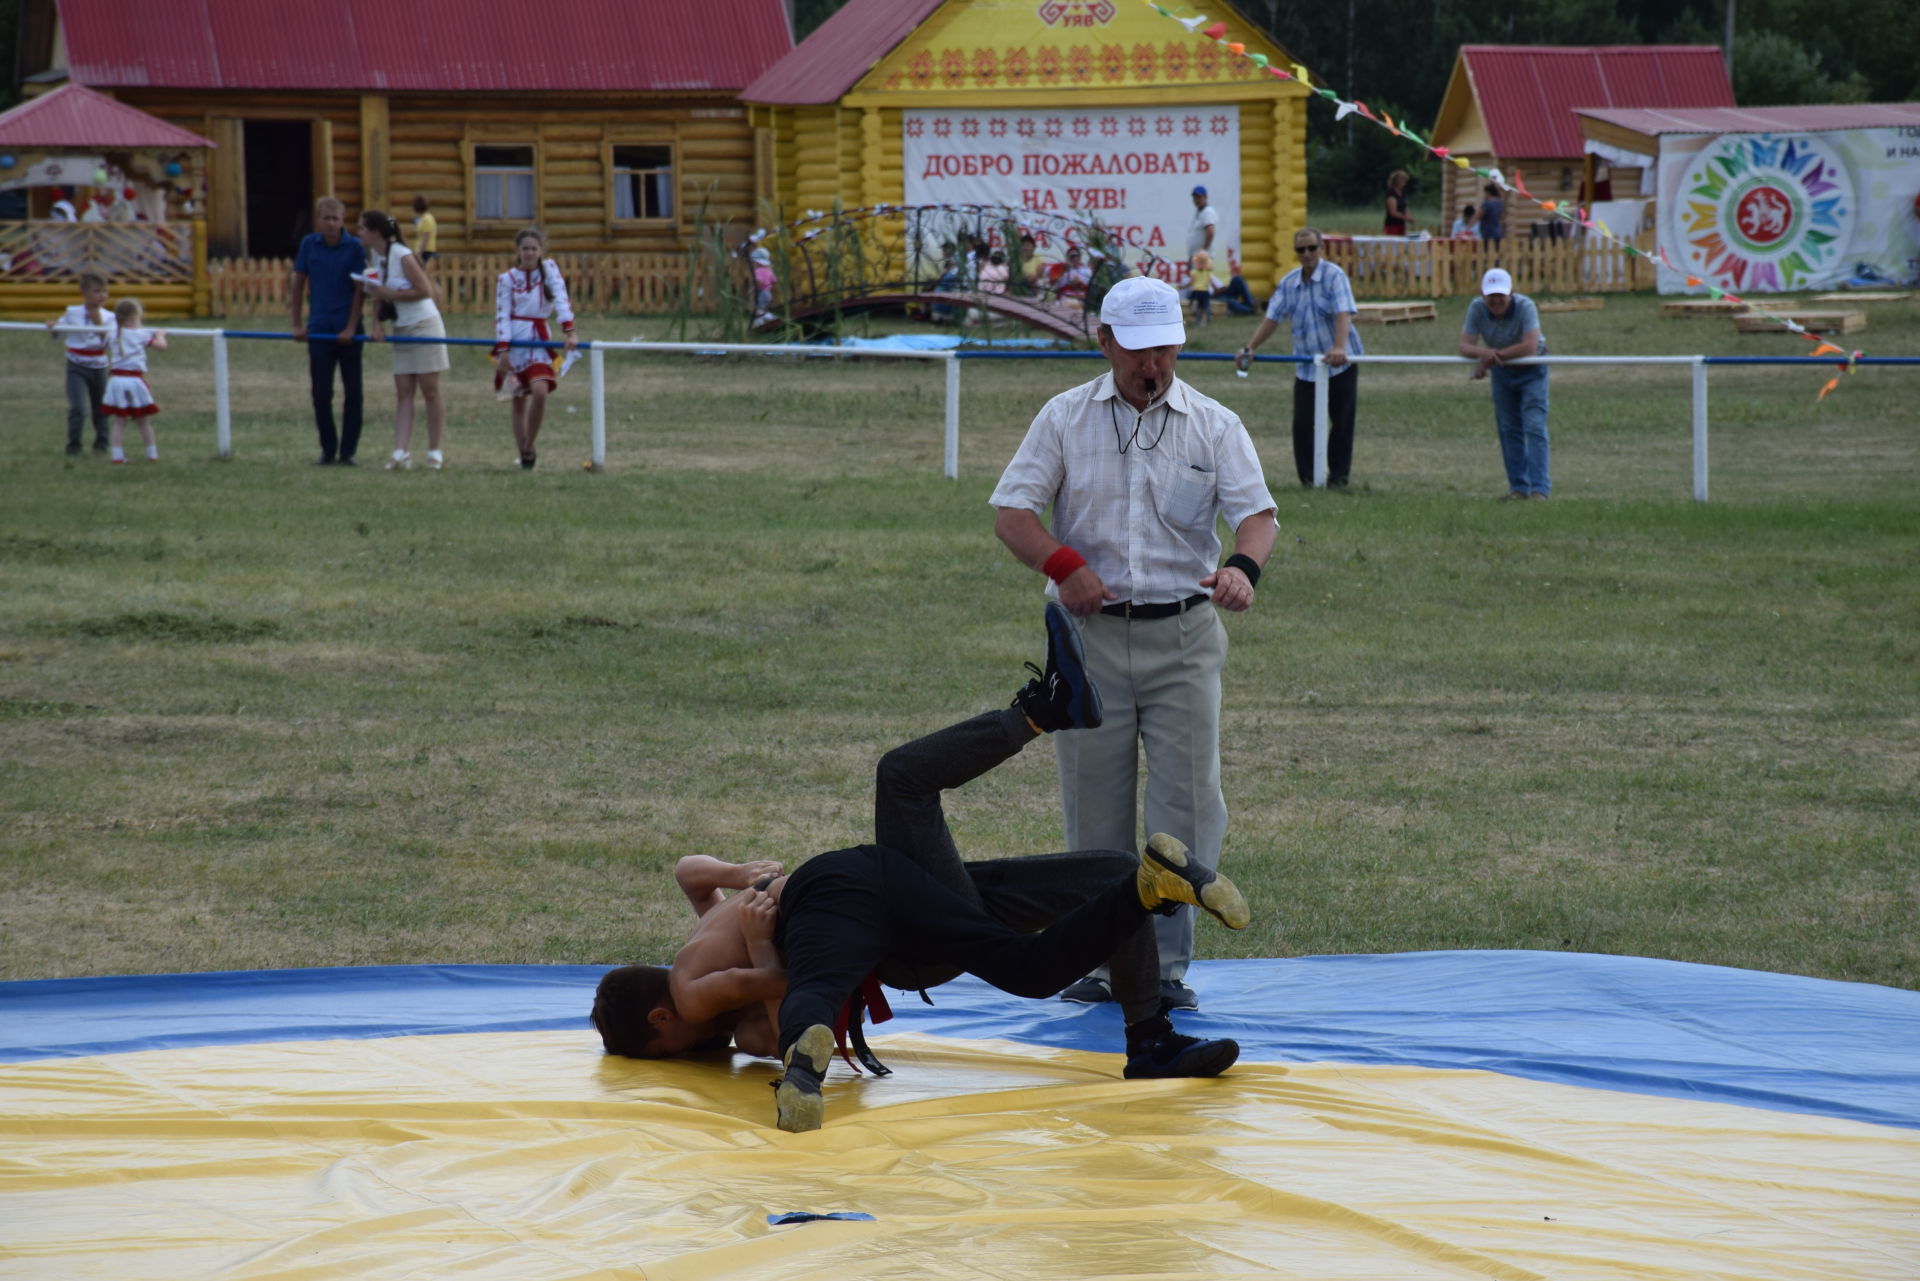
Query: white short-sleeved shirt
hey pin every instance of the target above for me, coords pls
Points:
(128, 349)
(1145, 518)
(89, 349)
(1203, 218)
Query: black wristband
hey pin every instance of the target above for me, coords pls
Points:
(1245, 565)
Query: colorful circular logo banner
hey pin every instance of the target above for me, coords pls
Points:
(1765, 212)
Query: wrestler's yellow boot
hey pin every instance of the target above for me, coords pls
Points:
(796, 1097)
(1168, 874)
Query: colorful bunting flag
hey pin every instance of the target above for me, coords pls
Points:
(1572, 212)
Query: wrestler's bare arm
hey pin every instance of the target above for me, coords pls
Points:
(729, 964)
(758, 912)
(703, 878)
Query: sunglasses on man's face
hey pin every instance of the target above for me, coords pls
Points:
(1306, 249)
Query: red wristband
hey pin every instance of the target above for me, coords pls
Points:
(1062, 564)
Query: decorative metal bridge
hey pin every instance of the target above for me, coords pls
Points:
(917, 256)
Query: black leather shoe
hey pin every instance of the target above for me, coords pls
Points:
(1156, 1052)
(1091, 990)
(1178, 995)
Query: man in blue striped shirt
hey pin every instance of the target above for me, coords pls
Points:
(1316, 299)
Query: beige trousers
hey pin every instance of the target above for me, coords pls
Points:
(1160, 695)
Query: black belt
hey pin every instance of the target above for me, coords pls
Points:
(1147, 613)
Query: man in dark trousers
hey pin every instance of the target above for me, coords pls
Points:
(327, 263)
(772, 966)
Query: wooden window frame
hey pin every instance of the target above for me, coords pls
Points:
(469, 145)
(667, 138)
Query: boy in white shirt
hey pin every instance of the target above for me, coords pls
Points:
(86, 360)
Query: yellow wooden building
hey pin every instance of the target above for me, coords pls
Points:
(1103, 107)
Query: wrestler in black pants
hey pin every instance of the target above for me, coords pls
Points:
(1028, 893)
(910, 899)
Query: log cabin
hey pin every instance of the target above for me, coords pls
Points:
(615, 126)
(1512, 108)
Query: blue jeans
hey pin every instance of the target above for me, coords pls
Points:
(1520, 413)
(1240, 299)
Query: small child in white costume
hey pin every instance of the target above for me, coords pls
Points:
(527, 296)
(128, 395)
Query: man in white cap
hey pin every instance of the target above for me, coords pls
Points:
(1501, 327)
(1138, 467)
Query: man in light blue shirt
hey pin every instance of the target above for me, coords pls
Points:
(1503, 326)
(1316, 300)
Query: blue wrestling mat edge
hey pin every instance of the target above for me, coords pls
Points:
(1631, 1024)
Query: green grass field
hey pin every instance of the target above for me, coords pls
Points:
(255, 713)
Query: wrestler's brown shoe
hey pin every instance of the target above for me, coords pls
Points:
(798, 1106)
(1168, 874)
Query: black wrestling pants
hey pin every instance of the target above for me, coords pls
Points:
(1027, 893)
(847, 910)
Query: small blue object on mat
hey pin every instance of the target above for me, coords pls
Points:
(806, 1216)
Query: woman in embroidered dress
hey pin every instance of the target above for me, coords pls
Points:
(527, 297)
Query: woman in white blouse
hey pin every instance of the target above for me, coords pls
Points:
(398, 283)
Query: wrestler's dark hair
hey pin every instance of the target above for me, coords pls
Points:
(621, 1004)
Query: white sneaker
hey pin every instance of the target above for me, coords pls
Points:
(401, 461)
(435, 460)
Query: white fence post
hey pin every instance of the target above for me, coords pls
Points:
(597, 363)
(222, 399)
(1699, 430)
(953, 418)
(1322, 422)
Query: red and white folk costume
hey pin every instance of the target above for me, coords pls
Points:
(127, 393)
(524, 302)
(86, 347)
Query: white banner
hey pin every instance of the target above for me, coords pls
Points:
(1131, 168)
(73, 172)
(1774, 213)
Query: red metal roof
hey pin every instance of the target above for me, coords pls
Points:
(1864, 115)
(844, 47)
(479, 46)
(1528, 93)
(77, 117)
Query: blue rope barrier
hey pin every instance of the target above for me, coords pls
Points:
(270, 335)
(962, 354)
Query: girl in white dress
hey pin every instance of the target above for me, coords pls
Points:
(128, 395)
(394, 276)
(527, 296)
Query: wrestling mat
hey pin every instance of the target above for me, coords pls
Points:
(1508, 1115)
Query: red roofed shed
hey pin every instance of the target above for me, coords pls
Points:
(78, 118)
(608, 122)
(1512, 107)
(117, 167)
